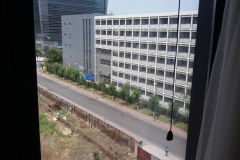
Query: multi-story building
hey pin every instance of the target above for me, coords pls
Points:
(140, 50)
(78, 44)
(47, 14)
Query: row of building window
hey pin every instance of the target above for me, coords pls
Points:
(105, 62)
(150, 82)
(147, 21)
(151, 34)
(150, 70)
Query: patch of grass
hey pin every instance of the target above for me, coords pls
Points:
(146, 111)
(46, 127)
(181, 125)
(41, 99)
(61, 112)
(69, 119)
(119, 101)
(163, 118)
(132, 106)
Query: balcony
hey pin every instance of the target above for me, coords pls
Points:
(150, 87)
(97, 45)
(171, 54)
(152, 51)
(115, 78)
(172, 40)
(121, 48)
(169, 92)
(184, 40)
(152, 64)
(143, 50)
(121, 59)
(142, 74)
(173, 26)
(191, 55)
(182, 82)
(182, 54)
(127, 60)
(153, 26)
(159, 90)
(193, 41)
(162, 52)
(128, 26)
(135, 50)
(134, 83)
(135, 38)
(121, 69)
(165, 26)
(181, 68)
(122, 26)
(134, 72)
(136, 26)
(185, 26)
(152, 39)
(115, 68)
(189, 84)
(142, 85)
(170, 66)
(179, 95)
(136, 61)
(194, 26)
(114, 58)
(143, 38)
(145, 26)
(114, 47)
(150, 75)
(97, 36)
(159, 77)
(160, 65)
(162, 39)
(169, 79)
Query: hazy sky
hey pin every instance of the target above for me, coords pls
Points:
(149, 6)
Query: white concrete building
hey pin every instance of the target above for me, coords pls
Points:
(143, 49)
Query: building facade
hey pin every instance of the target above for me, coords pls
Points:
(78, 42)
(47, 14)
(141, 51)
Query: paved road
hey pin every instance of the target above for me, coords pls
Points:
(145, 130)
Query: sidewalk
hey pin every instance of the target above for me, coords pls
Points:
(135, 113)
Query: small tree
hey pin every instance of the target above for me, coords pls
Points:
(61, 71)
(175, 110)
(112, 89)
(55, 68)
(39, 53)
(54, 55)
(124, 92)
(41, 65)
(96, 155)
(136, 94)
(153, 103)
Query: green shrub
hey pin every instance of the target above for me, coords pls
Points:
(55, 68)
(61, 71)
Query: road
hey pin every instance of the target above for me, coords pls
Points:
(145, 130)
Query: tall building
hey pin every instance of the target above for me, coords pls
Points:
(78, 42)
(47, 14)
(140, 50)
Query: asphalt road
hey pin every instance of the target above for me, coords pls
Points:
(144, 130)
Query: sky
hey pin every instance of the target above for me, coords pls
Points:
(149, 6)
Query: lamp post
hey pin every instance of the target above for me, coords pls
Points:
(154, 112)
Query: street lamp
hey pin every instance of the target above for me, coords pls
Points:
(154, 112)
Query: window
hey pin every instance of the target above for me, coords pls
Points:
(109, 43)
(173, 20)
(143, 58)
(135, 67)
(115, 63)
(172, 48)
(142, 69)
(127, 66)
(151, 59)
(97, 22)
(168, 87)
(121, 54)
(128, 55)
(109, 22)
(144, 34)
(190, 64)
(141, 80)
(134, 78)
(103, 32)
(135, 56)
(114, 73)
(128, 33)
(160, 72)
(115, 54)
(115, 22)
(105, 62)
(180, 76)
(152, 46)
(161, 60)
(192, 50)
(159, 84)
(150, 82)
(154, 21)
(183, 49)
(115, 33)
(170, 61)
(97, 41)
(145, 21)
(127, 76)
(195, 19)
(128, 44)
(194, 34)
(136, 34)
(181, 63)
(162, 47)
(115, 43)
(103, 22)
(186, 20)
(109, 32)
(129, 22)
(122, 22)
(153, 34)
(143, 46)
(172, 35)
(120, 75)
(121, 44)
(163, 20)
(122, 33)
(121, 65)
(184, 35)
(136, 21)
(151, 70)
(189, 78)
(135, 45)
(169, 74)
(162, 34)
(97, 32)
(179, 89)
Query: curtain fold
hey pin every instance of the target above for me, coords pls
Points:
(220, 131)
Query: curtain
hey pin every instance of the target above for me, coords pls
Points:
(220, 131)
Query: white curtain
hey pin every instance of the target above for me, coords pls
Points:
(220, 131)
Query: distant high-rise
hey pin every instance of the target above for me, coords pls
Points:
(47, 14)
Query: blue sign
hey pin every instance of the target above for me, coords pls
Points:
(88, 77)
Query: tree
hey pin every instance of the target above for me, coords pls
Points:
(124, 92)
(175, 110)
(136, 94)
(112, 89)
(72, 73)
(61, 71)
(39, 53)
(56, 66)
(153, 103)
(54, 55)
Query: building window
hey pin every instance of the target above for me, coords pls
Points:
(143, 58)
(142, 69)
(154, 21)
(122, 22)
(195, 19)
(127, 66)
(105, 62)
(190, 64)
(144, 34)
(194, 34)
(121, 65)
(114, 73)
(162, 34)
(135, 45)
(179, 89)
(173, 20)
(180, 76)
(153, 34)
(109, 43)
(151, 59)
(128, 33)
(167, 99)
(172, 35)
(129, 22)
(143, 46)
(181, 63)
(115, 63)
(170, 61)
(128, 44)
(159, 84)
(186, 20)
(121, 54)
(97, 41)
(128, 55)
(192, 50)
(184, 35)
(103, 32)
(134, 78)
(120, 75)
(136, 21)
(115, 43)
(127, 76)
(109, 32)
(97, 32)
(135, 56)
(152, 46)
(163, 20)
(115, 54)
(161, 60)
(135, 67)
(189, 78)
(136, 33)
(151, 70)
(142, 80)
(103, 22)
(168, 87)
(97, 22)
(169, 74)
(145, 21)
(160, 72)
(115, 33)
(150, 82)
(115, 22)
(121, 44)
(172, 48)
(183, 49)
(122, 33)
(109, 22)
(162, 47)
(103, 42)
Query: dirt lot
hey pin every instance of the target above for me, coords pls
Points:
(64, 143)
